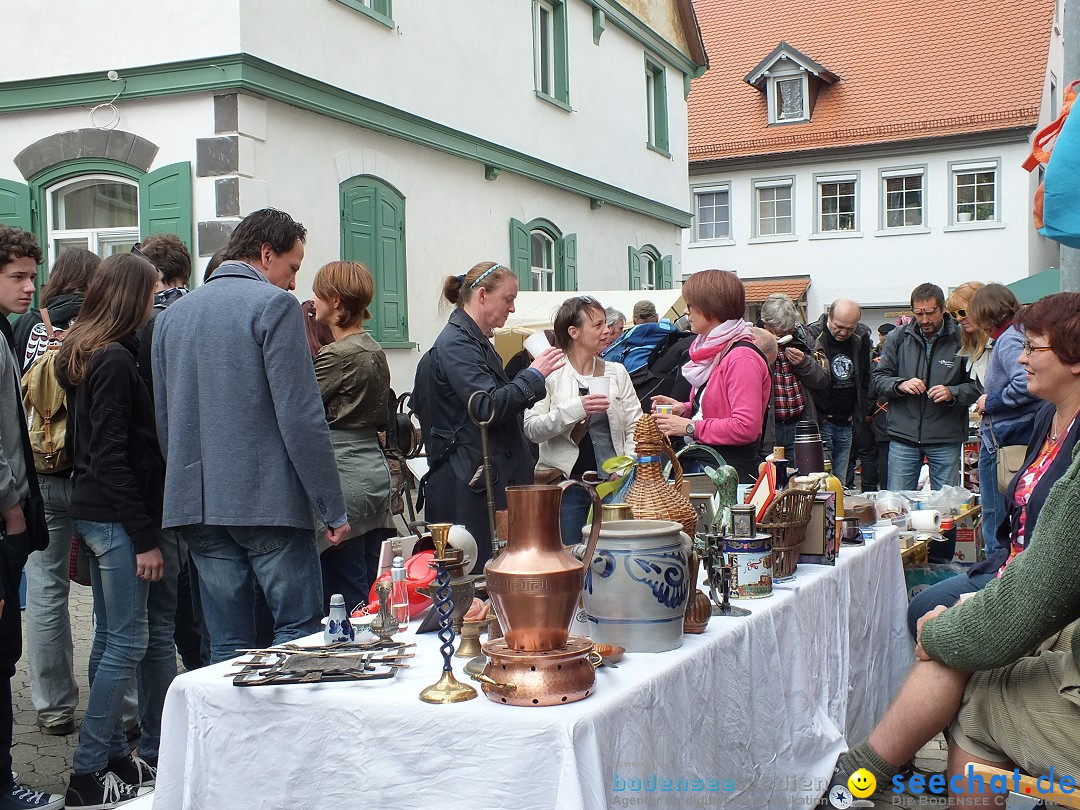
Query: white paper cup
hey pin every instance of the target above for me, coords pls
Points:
(535, 343)
(599, 385)
(665, 408)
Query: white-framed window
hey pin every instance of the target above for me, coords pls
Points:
(789, 98)
(656, 105)
(712, 213)
(550, 65)
(542, 261)
(974, 191)
(96, 212)
(903, 198)
(650, 269)
(837, 203)
(774, 207)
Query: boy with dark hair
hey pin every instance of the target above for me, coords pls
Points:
(19, 258)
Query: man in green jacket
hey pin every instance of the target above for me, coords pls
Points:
(1003, 704)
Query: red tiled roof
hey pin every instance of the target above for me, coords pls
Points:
(758, 291)
(911, 69)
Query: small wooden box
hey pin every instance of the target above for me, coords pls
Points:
(822, 540)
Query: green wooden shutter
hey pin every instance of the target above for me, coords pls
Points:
(14, 204)
(667, 282)
(635, 269)
(566, 262)
(373, 233)
(520, 254)
(165, 202)
(390, 298)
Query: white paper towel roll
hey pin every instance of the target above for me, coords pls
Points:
(925, 520)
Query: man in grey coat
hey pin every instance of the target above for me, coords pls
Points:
(250, 468)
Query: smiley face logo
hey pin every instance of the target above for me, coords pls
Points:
(861, 783)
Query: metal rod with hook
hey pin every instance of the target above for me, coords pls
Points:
(489, 484)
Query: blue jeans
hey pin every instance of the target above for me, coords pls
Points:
(905, 460)
(48, 626)
(946, 593)
(282, 560)
(158, 667)
(573, 514)
(121, 634)
(837, 441)
(784, 436)
(990, 498)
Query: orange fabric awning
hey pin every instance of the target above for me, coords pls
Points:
(758, 291)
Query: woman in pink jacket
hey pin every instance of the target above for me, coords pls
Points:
(727, 372)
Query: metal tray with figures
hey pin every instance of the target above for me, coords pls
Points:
(291, 663)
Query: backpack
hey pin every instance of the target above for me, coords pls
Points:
(1057, 199)
(662, 372)
(45, 402)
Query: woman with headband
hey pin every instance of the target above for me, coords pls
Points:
(461, 362)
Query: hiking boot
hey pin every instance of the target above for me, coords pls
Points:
(100, 790)
(134, 770)
(20, 797)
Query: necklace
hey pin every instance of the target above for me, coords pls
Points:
(1056, 434)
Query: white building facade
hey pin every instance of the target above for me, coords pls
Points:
(419, 138)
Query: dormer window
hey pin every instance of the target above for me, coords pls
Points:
(789, 99)
(790, 80)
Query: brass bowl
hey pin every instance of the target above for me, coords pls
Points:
(609, 652)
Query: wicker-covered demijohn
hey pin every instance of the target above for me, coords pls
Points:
(650, 496)
(786, 520)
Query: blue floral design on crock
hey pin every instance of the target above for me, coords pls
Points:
(607, 561)
(664, 574)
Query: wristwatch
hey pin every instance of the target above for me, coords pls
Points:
(690, 429)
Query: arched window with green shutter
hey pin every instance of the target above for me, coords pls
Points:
(373, 233)
(542, 257)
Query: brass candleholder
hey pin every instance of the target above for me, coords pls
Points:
(448, 689)
(469, 643)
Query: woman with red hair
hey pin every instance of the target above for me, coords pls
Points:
(728, 374)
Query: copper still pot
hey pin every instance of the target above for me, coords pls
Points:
(547, 678)
(535, 582)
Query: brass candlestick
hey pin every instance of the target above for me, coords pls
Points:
(448, 689)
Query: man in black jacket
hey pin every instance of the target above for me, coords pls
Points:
(844, 403)
(929, 388)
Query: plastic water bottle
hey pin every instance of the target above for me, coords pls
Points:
(399, 593)
(338, 626)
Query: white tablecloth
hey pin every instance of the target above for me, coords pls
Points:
(755, 709)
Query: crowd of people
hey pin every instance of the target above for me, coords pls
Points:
(224, 472)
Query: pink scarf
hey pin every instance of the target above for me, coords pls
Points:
(707, 350)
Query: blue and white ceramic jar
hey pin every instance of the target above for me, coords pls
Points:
(637, 585)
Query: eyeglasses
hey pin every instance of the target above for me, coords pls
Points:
(920, 313)
(1029, 349)
(958, 314)
(588, 299)
(136, 250)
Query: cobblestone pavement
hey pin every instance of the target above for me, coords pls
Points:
(43, 762)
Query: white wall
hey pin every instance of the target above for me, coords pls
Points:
(79, 36)
(875, 268)
(467, 64)
(454, 218)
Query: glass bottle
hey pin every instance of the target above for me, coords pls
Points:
(832, 484)
(399, 593)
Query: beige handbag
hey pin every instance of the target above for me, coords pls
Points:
(1010, 459)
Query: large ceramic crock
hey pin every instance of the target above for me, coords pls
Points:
(637, 585)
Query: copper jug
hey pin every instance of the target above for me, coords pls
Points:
(535, 583)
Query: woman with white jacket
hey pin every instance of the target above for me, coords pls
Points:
(578, 430)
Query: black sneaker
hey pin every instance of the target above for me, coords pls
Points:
(100, 790)
(20, 797)
(134, 770)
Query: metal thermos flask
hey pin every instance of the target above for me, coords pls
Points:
(809, 451)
